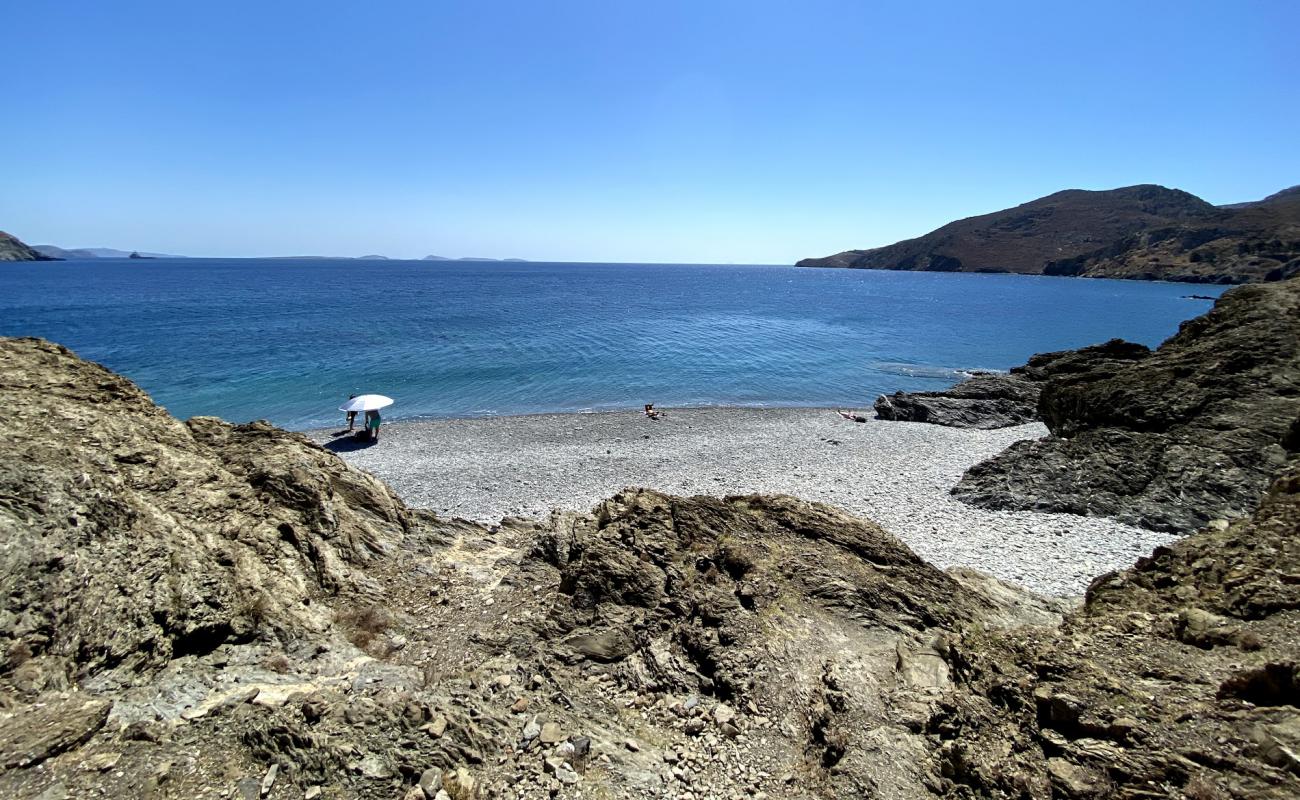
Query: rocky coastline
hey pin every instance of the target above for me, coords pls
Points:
(203, 609)
(1145, 232)
(13, 249)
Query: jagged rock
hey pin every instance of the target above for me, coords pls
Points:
(551, 733)
(685, 572)
(881, 675)
(1194, 432)
(994, 400)
(1116, 701)
(982, 401)
(135, 538)
(33, 735)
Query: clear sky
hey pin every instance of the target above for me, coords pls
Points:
(611, 130)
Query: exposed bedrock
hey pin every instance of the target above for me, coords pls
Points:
(1180, 677)
(1194, 432)
(995, 400)
(206, 610)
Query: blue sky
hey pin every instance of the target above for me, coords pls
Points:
(747, 132)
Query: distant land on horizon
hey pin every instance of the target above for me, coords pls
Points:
(61, 253)
(1145, 232)
(49, 252)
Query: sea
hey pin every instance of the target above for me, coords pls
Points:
(288, 340)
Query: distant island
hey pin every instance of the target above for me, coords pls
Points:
(471, 258)
(13, 249)
(78, 253)
(1145, 232)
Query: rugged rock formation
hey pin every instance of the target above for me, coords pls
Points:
(994, 400)
(199, 608)
(1193, 432)
(1179, 678)
(206, 610)
(132, 538)
(11, 249)
(1143, 232)
(984, 400)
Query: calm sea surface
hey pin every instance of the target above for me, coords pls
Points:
(288, 341)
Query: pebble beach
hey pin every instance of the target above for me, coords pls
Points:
(897, 474)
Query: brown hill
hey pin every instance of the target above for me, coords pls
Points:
(1143, 232)
(12, 249)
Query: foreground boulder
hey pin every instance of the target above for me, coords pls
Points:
(132, 538)
(1192, 433)
(995, 400)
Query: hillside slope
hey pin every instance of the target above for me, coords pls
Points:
(12, 249)
(1143, 232)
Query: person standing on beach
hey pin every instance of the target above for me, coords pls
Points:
(372, 424)
(352, 416)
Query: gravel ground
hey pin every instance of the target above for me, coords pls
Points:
(895, 473)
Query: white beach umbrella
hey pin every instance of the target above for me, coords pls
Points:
(366, 402)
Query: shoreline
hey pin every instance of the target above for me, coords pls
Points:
(895, 473)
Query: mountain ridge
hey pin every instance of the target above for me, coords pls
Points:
(1142, 232)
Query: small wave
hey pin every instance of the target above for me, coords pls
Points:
(925, 371)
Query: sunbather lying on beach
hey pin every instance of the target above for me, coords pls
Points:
(852, 417)
(651, 413)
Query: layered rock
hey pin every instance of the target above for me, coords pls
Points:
(995, 400)
(1143, 232)
(132, 538)
(1194, 432)
(1179, 678)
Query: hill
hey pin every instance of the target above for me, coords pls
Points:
(12, 249)
(1145, 232)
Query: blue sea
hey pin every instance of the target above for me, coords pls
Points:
(289, 340)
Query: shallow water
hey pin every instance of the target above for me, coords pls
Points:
(289, 340)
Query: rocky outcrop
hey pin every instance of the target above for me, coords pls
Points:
(206, 610)
(200, 608)
(132, 539)
(1141, 232)
(985, 400)
(11, 249)
(1194, 432)
(1177, 679)
(995, 400)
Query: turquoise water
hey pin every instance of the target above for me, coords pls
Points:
(288, 341)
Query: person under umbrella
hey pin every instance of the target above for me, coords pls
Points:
(370, 404)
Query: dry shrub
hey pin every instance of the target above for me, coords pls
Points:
(363, 625)
(278, 662)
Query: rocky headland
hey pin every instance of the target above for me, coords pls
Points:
(202, 609)
(1145, 232)
(1191, 433)
(12, 249)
